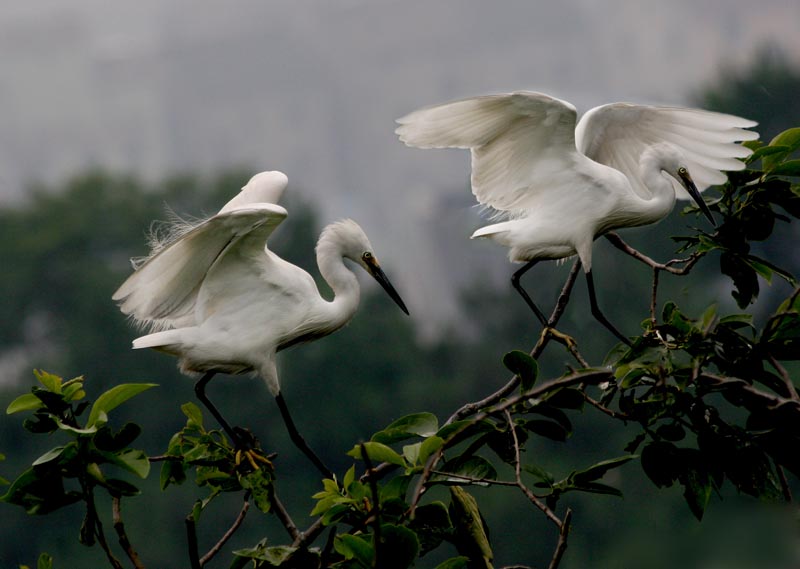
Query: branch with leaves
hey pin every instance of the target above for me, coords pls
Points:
(713, 398)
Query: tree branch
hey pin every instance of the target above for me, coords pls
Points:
(228, 534)
(544, 338)
(561, 546)
(286, 520)
(688, 262)
(119, 527)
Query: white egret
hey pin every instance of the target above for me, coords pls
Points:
(557, 186)
(221, 301)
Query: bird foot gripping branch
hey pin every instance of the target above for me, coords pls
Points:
(248, 451)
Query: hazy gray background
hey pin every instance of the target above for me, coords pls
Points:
(312, 87)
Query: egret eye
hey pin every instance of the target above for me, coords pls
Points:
(366, 256)
(682, 171)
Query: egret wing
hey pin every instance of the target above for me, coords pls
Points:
(264, 187)
(521, 143)
(163, 290)
(617, 134)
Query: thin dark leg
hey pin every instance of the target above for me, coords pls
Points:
(200, 391)
(298, 439)
(515, 278)
(599, 315)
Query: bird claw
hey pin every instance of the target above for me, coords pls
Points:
(248, 450)
(253, 458)
(562, 338)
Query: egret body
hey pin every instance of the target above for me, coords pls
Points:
(557, 186)
(221, 301)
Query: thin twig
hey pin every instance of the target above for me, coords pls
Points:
(511, 385)
(787, 380)
(610, 412)
(306, 537)
(119, 527)
(376, 517)
(573, 379)
(787, 491)
(228, 534)
(769, 401)
(654, 298)
(283, 515)
(191, 539)
(561, 546)
(97, 529)
(474, 480)
(687, 263)
(518, 475)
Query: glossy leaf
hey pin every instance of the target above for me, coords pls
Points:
(354, 547)
(114, 397)
(414, 425)
(524, 366)
(26, 402)
(377, 452)
(432, 524)
(399, 547)
(469, 470)
(460, 562)
(597, 471)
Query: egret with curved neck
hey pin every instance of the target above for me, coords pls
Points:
(223, 302)
(559, 185)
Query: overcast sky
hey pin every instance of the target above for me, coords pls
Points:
(312, 88)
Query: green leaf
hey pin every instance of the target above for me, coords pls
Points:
(567, 398)
(194, 414)
(460, 562)
(259, 482)
(428, 447)
(432, 525)
(788, 168)
(466, 471)
(696, 483)
(113, 398)
(349, 476)
(523, 365)
(45, 561)
(471, 538)
(119, 487)
(661, 463)
(416, 424)
(107, 440)
(539, 473)
(395, 488)
(598, 470)
(399, 547)
(377, 452)
(51, 382)
(411, 452)
(354, 547)
(597, 488)
(26, 402)
(547, 429)
(49, 456)
(789, 138)
(132, 460)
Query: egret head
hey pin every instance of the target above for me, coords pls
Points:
(682, 175)
(673, 162)
(352, 243)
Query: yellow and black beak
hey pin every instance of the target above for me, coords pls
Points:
(688, 183)
(374, 269)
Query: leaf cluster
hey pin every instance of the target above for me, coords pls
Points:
(752, 202)
(92, 457)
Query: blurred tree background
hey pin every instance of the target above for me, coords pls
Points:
(66, 249)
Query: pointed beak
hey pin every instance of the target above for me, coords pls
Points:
(377, 273)
(688, 183)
